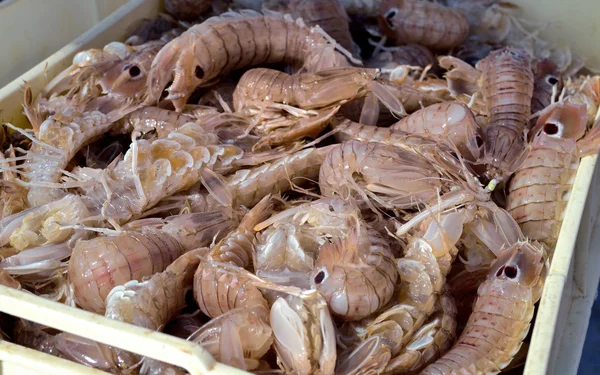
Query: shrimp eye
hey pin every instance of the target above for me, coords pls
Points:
(552, 80)
(479, 141)
(134, 71)
(320, 277)
(331, 209)
(389, 17)
(550, 128)
(199, 72)
(510, 272)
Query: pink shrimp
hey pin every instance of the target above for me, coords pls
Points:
(449, 122)
(507, 85)
(233, 41)
(356, 278)
(501, 315)
(429, 24)
(541, 187)
(99, 265)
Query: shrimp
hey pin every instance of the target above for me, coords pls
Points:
(584, 90)
(239, 337)
(373, 171)
(429, 24)
(43, 224)
(505, 301)
(13, 197)
(330, 15)
(59, 138)
(290, 240)
(411, 55)
(307, 91)
(149, 304)
(446, 121)
(304, 334)
(194, 66)
(152, 29)
(7, 280)
(127, 78)
(98, 265)
(187, 10)
(217, 292)
(356, 277)
(163, 121)
(507, 85)
(547, 82)
(422, 274)
(152, 170)
(540, 189)
(35, 336)
(431, 341)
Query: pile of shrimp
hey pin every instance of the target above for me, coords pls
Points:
(301, 187)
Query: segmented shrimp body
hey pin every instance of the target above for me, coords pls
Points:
(330, 15)
(422, 273)
(307, 91)
(507, 86)
(152, 170)
(373, 171)
(217, 291)
(541, 187)
(448, 121)
(98, 265)
(152, 303)
(502, 314)
(356, 280)
(233, 41)
(431, 341)
(429, 24)
(411, 55)
(59, 138)
(239, 337)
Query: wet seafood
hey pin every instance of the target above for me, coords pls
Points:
(429, 24)
(302, 45)
(356, 277)
(328, 14)
(541, 187)
(186, 10)
(98, 265)
(506, 300)
(448, 122)
(507, 85)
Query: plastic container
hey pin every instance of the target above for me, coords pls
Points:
(563, 313)
(22, 22)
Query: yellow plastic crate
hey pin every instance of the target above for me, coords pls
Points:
(563, 313)
(34, 29)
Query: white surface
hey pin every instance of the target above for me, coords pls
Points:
(32, 30)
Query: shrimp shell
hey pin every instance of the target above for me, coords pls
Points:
(448, 121)
(330, 15)
(383, 174)
(546, 79)
(307, 91)
(154, 169)
(98, 265)
(233, 41)
(59, 138)
(541, 187)
(507, 86)
(505, 302)
(411, 54)
(152, 303)
(429, 24)
(431, 341)
(187, 10)
(355, 281)
(13, 197)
